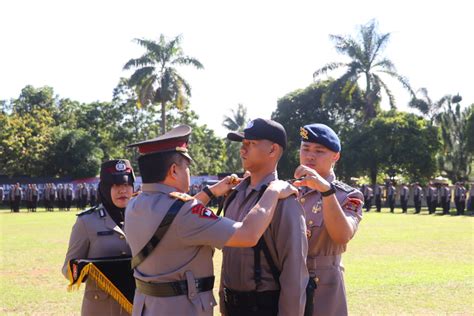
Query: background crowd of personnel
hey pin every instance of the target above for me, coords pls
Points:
(435, 195)
(50, 195)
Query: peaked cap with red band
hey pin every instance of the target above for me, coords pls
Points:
(173, 140)
(117, 171)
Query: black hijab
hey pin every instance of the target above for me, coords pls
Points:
(105, 198)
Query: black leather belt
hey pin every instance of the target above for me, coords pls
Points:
(173, 288)
(251, 299)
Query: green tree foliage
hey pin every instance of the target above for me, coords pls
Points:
(470, 130)
(74, 154)
(456, 157)
(304, 106)
(27, 132)
(394, 142)
(367, 63)
(207, 151)
(235, 122)
(156, 78)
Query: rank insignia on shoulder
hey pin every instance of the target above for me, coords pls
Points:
(352, 204)
(88, 211)
(181, 196)
(203, 212)
(342, 186)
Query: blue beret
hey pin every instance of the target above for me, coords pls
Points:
(321, 134)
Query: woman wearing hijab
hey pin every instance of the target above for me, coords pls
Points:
(98, 233)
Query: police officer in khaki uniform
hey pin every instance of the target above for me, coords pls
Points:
(333, 212)
(98, 233)
(378, 197)
(172, 235)
(271, 278)
(391, 193)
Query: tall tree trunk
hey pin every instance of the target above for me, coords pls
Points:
(373, 174)
(163, 116)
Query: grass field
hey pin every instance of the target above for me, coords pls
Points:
(396, 265)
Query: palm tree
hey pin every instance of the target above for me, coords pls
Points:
(155, 77)
(456, 159)
(235, 122)
(427, 107)
(366, 63)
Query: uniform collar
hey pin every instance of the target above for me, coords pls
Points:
(109, 222)
(157, 187)
(246, 183)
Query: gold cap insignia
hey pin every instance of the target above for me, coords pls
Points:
(303, 133)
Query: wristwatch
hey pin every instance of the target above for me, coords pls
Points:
(329, 192)
(209, 193)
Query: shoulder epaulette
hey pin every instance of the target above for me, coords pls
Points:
(181, 196)
(342, 186)
(88, 211)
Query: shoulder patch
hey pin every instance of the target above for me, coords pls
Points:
(88, 211)
(352, 204)
(181, 196)
(342, 186)
(203, 212)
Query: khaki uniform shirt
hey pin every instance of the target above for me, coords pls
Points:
(324, 255)
(287, 243)
(95, 235)
(184, 253)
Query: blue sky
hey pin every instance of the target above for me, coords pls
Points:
(254, 52)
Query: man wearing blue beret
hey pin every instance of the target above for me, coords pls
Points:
(333, 212)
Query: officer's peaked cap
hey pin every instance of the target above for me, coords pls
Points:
(321, 134)
(261, 129)
(173, 140)
(117, 171)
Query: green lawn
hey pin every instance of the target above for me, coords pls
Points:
(397, 264)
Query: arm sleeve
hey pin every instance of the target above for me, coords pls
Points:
(352, 207)
(198, 225)
(78, 244)
(292, 246)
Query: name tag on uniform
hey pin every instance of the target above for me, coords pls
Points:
(105, 233)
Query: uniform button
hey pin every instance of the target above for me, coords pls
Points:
(96, 297)
(124, 253)
(192, 295)
(122, 236)
(310, 222)
(302, 200)
(316, 280)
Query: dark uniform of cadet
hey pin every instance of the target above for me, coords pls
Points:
(391, 192)
(1, 195)
(69, 196)
(172, 235)
(98, 233)
(404, 193)
(417, 197)
(445, 198)
(460, 198)
(378, 197)
(368, 195)
(272, 277)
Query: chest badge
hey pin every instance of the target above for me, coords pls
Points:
(317, 207)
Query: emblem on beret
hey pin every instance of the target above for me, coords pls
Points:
(303, 133)
(249, 125)
(120, 166)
